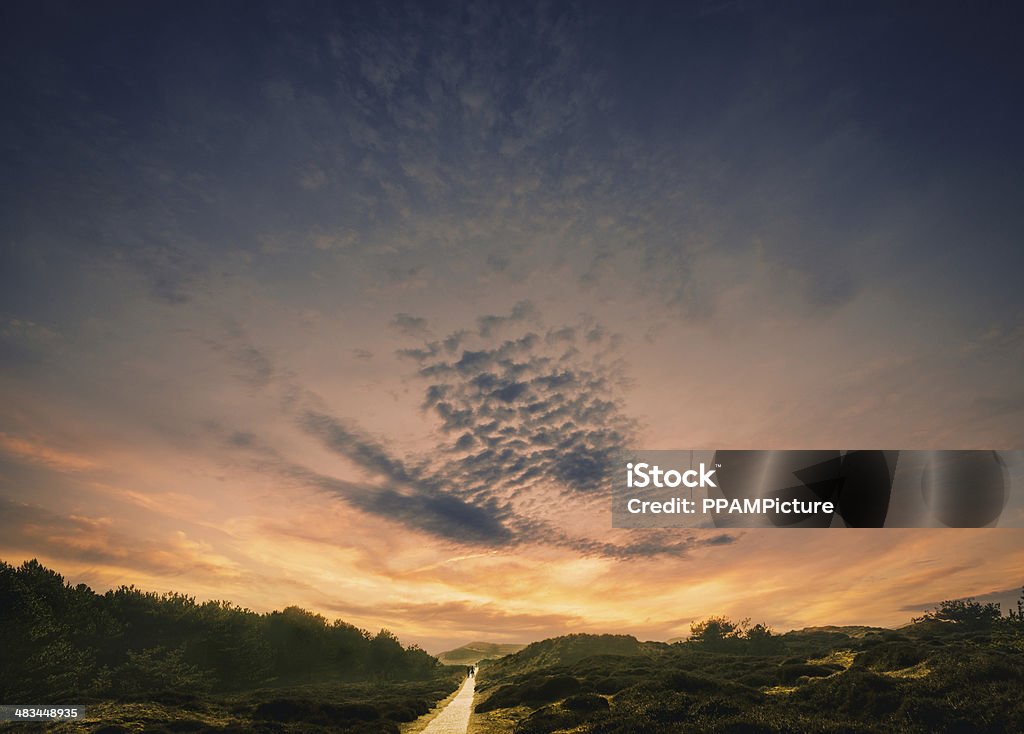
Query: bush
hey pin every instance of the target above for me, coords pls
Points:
(967, 612)
(283, 710)
(793, 672)
(586, 702)
(349, 712)
(682, 681)
(891, 656)
(857, 693)
(548, 690)
(611, 684)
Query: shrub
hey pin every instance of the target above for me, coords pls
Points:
(680, 680)
(586, 702)
(793, 672)
(282, 709)
(891, 656)
(517, 694)
(857, 693)
(967, 612)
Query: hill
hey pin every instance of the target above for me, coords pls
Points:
(953, 676)
(848, 630)
(570, 649)
(474, 652)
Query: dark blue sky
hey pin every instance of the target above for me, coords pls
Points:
(391, 284)
(829, 118)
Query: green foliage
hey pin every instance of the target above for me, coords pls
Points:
(892, 656)
(919, 680)
(566, 651)
(536, 691)
(966, 612)
(63, 642)
(159, 669)
(722, 634)
(1017, 617)
(715, 631)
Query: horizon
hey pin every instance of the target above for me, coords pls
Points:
(1006, 600)
(353, 307)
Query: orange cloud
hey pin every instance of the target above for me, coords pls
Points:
(35, 451)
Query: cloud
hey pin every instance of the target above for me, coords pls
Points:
(652, 543)
(79, 539)
(1005, 598)
(242, 439)
(254, 367)
(37, 452)
(410, 325)
(251, 365)
(525, 425)
(523, 410)
(514, 625)
(440, 514)
(520, 312)
(408, 495)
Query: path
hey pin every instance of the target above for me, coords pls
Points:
(454, 719)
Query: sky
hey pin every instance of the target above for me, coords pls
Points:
(352, 306)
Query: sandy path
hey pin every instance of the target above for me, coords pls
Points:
(454, 719)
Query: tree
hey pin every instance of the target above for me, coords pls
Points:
(966, 612)
(386, 653)
(418, 663)
(715, 632)
(761, 640)
(721, 633)
(58, 642)
(159, 669)
(1018, 616)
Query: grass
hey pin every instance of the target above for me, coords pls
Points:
(339, 708)
(912, 681)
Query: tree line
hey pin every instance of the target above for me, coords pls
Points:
(723, 635)
(63, 642)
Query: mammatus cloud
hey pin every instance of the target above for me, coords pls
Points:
(526, 409)
(528, 425)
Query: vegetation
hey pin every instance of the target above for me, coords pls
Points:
(143, 662)
(966, 612)
(959, 668)
(205, 662)
(719, 633)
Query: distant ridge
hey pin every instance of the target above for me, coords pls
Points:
(474, 652)
(849, 630)
(570, 649)
(853, 630)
